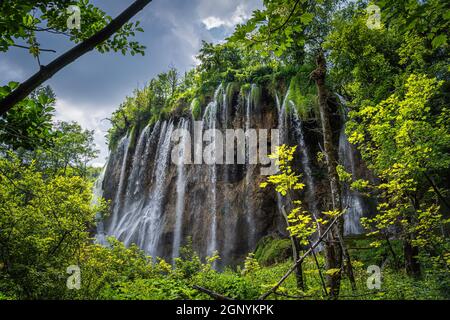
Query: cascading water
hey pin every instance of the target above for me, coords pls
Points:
(210, 119)
(141, 216)
(350, 199)
(133, 187)
(126, 229)
(152, 220)
(123, 145)
(181, 189)
(155, 203)
(250, 167)
(282, 118)
(306, 162)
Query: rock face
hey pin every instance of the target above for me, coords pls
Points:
(158, 204)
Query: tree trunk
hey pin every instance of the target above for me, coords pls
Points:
(348, 263)
(46, 72)
(410, 251)
(295, 254)
(412, 265)
(394, 256)
(333, 252)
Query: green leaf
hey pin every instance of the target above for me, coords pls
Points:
(306, 18)
(439, 41)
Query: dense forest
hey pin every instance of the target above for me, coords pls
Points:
(375, 74)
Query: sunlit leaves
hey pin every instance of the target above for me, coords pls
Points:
(44, 222)
(402, 141)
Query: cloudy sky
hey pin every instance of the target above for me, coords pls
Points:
(92, 87)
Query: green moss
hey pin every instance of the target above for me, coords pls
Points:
(303, 95)
(231, 90)
(272, 250)
(133, 136)
(196, 109)
(255, 95)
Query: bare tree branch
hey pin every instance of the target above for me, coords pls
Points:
(213, 294)
(25, 47)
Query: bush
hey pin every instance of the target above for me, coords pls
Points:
(161, 288)
(273, 250)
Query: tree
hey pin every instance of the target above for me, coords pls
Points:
(390, 78)
(301, 224)
(29, 125)
(44, 222)
(18, 22)
(72, 148)
(405, 144)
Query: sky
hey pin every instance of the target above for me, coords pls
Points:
(92, 87)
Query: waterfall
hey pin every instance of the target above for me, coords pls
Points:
(133, 187)
(141, 215)
(123, 145)
(126, 229)
(133, 202)
(282, 130)
(282, 118)
(228, 225)
(152, 220)
(181, 188)
(249, 108)
(306, 162)
(210, 118)
(153, 207)
(350, 198)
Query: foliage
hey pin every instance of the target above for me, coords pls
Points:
(430, 18)
(151, 289)
(303, 94)
(71, 151)
(403, 141)
(272, 250)
(44, 222)
(24, 20)
(302, 224)
(29, 124)
(286, 180)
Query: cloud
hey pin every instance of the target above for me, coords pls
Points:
(89, 116)
(213, 22)
(239, 15)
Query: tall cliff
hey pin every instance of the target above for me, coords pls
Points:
(158, 204)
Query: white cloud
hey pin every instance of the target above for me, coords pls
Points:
(213, 22)
(240, 15)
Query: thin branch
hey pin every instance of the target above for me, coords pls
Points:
(280, 26)
(436, 190)
(25, 47)
(324, 286)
